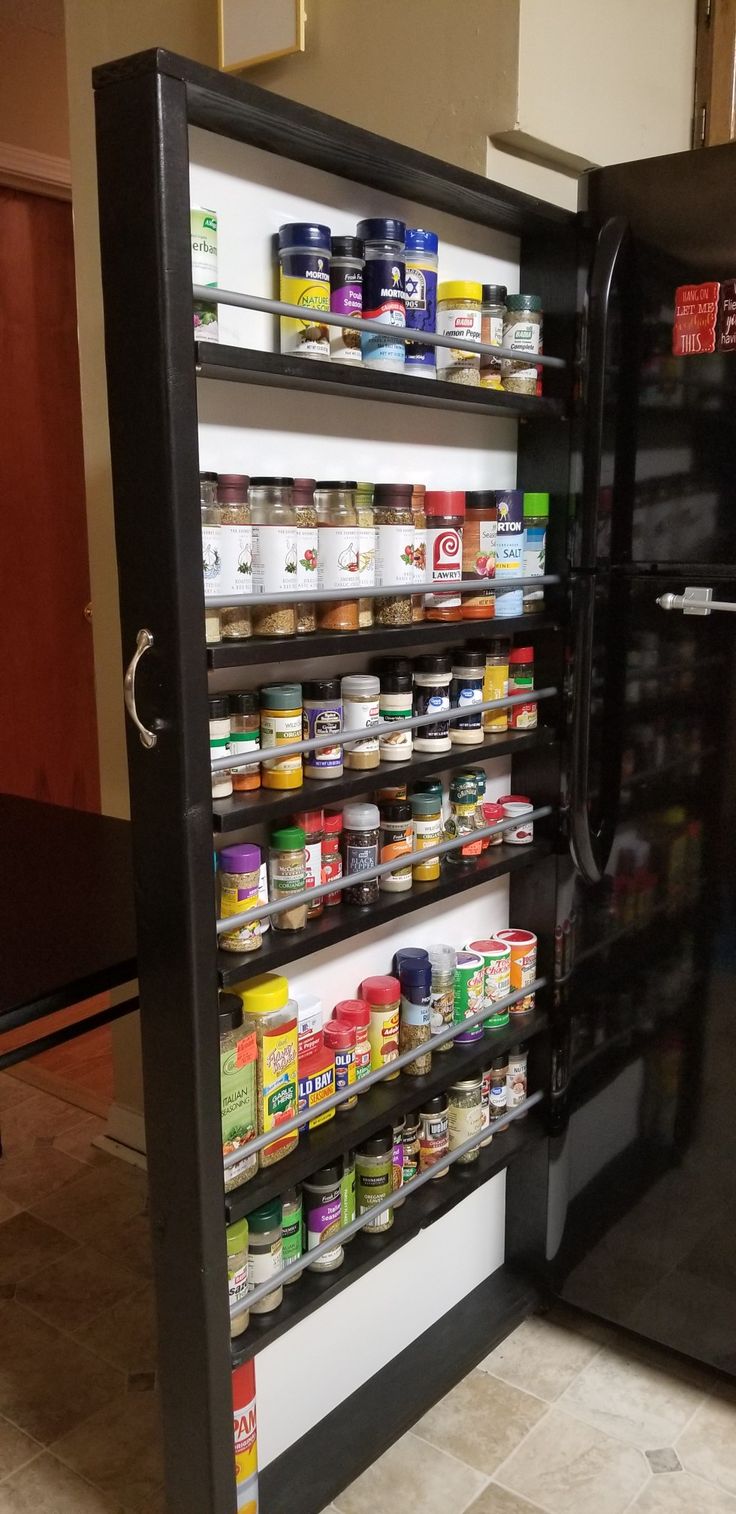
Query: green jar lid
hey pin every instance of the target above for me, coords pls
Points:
(427, 786)
(281, 696)
(425, 804)
(536, 504)
(237, 1237)
(516, 302)
(464, 789)
(265, 1218)
(291, 838)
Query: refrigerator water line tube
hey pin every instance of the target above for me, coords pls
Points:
(341, 738)
(208, 295)
(377, 591)
(298, 1121)
(295, 1268)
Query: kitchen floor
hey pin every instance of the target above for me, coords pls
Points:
(565, 1417)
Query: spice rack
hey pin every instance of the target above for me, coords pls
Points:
(147, 107)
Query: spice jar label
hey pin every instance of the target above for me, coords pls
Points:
(246, 1050)
(359, 858)
(383, 1034)
(305, 280)
(322, 723)
(307, 543)
(278, 1083)
(211, 560)
(444, 556)
(394, 555)
(338, 557)
(415, 1014)
(366, 556)
(237, 560)
(442, 1007)
(323, 1220)
(274, 559)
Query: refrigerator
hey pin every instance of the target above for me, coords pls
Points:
(641, 1215)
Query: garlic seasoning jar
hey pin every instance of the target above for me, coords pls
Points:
(307, 543)
(334, 501)
(366, 551)
(522, 333)
(492, 318)
(274, 530)
(394, 521)
(237, 552)
(459, 314)
(420, 549)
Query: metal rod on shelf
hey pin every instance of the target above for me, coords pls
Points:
(381, 1074)
(295, 1268)
(361, 733)
(378, 591)
(267, 911)
(212, 296)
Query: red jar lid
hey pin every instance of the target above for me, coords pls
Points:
(445, 502)
(332, 823)
(381, 990)
(310, 820)
(338, 1034)
(513, 799)
(353, 1012)
(521, 654)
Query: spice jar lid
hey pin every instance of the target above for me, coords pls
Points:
(336, 483)
(304, 484)
(245, 703)
(234, 480)
(460, 289)
(236, 1237)
(338, 1033)
(322, 688)
(518, 1051)
(498, 646)
(266, 992)
(445, 502)
(208, 478)
(419, 240)
(500, 1064)
(240, 859)
(399, 1125)
(536, 504)
(366, 490)
(494, 294)
(378, 1145)
(516, 937)
(521, 654)
(304, 234)
(360, 684)
(480, 499)
(425, 804)
(437, 1105)
(353, 1012)
(347, 247)
(325, 1177)
(492, 945)
(380, 990)
(427, 786)
(399, 682)
(513, 799)
(361, 817)
(281, 696)
(469, 658)
(393, 494)
(309, 820)
(267, 481)
(523, 302)
(466, 959)
(416, 973)
(443, 958)
(408, 954)
(464, 788)
(218, 706)
(382, 229)
(267, 1217)
(290, 838)
(395, 810)
(332, 824)
(464, 1084)
(230, 1012)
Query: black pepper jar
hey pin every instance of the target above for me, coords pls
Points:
(360, 850)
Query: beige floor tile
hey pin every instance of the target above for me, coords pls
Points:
(126, 1335)
(29, 1176)
(635, 1398)
(412, 1478)
(708, 1445)
(38, 1118)
(46, 1487)
(99, 1200)
(77, 1289)
(12, 1092)
(542, 1357)
(48, 1382)
(15, 1449)
(27, 1244)
(7, 1209)
(119, 1450)
(78, 1143)
(481, 1421)
(567, 1467)
(679, 1493)
(497, 1500)
(130, 1242)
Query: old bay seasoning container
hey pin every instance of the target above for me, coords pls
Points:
(317, 1081)
(273, 1016)
(304, 279)
(357, 1014)
(383, 996)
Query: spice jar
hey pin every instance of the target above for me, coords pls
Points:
(331, 855)
(523, 945)
(265, 1254)
(287, 874)
(304, 279)
(516, 1077)
(291, 1229)
(496, 979)
(360, 711)
(465, 1116)
(238, 1099)
(486, 1079)
(281, 725)
(307, 552)
(274, 531)
(410, 1148)
(211, 521)
(340, 1040)
(310, 1021)
(323, 1215)
(397, 831)
(445, 513)
(240, 868)
(382, 994)
(236, 1241)
(311, 822)
(317, 1082)
(466, 690)
(421, 299)
(509, 552)
(522, 333)
(492, 317)
(346, 297)
(349, 1209)
(469, 995)
(415, 978)
(245, 730)
(426, 812)
(519, 809)
(522, 717)
(459, 314)
(442, 961)
(496, 684)
(536, 519)
(479, 551)
(273, 1016)
(374, 1178)
(219, 719)
(395, 704)
(418, 510)
(334, 501)
(384, 293)
(237, 552)
(366, 551)
(432, 677)
(434, 1136)
(497, 1099)
(357, 1015)
(360, 850)
(397, 1158)
(322, 705)
(462, 822)
(394, 521)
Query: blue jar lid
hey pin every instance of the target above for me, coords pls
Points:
(418, 240)
(304, 234)
(382, 229)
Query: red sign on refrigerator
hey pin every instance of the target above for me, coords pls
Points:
(727, 322)
(696, 313)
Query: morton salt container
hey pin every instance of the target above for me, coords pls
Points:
(384, 292)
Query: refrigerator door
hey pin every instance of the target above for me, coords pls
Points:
(642, 1200)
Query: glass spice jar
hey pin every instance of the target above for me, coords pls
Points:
(426, 812)
(496, 684)
(434, 1138)
(394, 522)
(465, 1116)
(240, 868)
(281, 725)
(522, 333)
(479, 551)
(337, 518)
(245, 731)
(237, 552)
(360, 850)
(287, 874)
(366, 551)
(238, 1090)
(211, 525)
(462, 821)
(459, 314)
(374, 1178)
(307, 550)
(331, 855)
(445, 513)
(274, 530)
(360, 711)
(219, 721)
(492, 317)
(442, 961)
(322, 717)
(312, 822)
(420, 549)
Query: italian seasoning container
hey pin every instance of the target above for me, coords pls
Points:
(445, 514)
(384, 291)
(522, 333)
(394, 551)
(238, 1098)
(374, 1178)
(479, 552)
(237, 552)
(360, 848)
(421, 299)
(307, 550)
(322, 716)
(304, 280)
(434, 1137)
(323, 1216)
(274, 532)
(360, 707)
(346, 297)
(338, 552)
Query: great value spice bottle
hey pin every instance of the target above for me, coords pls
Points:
(219, 722)
(384, 291)
(466, 690)
(421, 298)
(273, 1015)
(346, 297)
(445, 513)
(383, 996)
(432, 677)
(304, 264)
(275, 558)
(479, 552)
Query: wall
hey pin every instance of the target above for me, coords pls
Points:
(33, 103)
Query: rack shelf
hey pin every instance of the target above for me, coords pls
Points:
(241, 810)
(343, 922)
(375, 1109)
(266, 649)
(313, 1289)
(246, 365)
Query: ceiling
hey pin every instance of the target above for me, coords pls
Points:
(36, 15)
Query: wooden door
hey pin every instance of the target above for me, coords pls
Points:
(48, 730)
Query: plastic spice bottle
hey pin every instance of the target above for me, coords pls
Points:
(394, 522)
(238, 1090)
(349, 1209)
(397, 835)
(287, 874)
(434, 1138)
(470, 995)
(432, 677)
(384, 291)
(334, 501)
(465, 1116)
(357, 1014)
(496, 978)
(291, 1229)
(236, 1237)
(522, 717)
(421, 298)
(466, 690)
(509, 552)
(360, 711)
(240, 868)
(281, 724)
(307, 551)
(445, 513)
(442, 961)
(346, 297)
(522, 333)
(536, 518)
(426, 811)
(516, 1077)
(237, 552)
(304, 279)
(374, 1178)
(265, 1253)
(274, 530)
(383, 996)
(366, 551)
(311, 1017)
(317, 1082)
(322, 704)
(331, 855)
(312, 823)
(479, 551)
(415, 977)
(397, 1159)
(245, 730)
(496, 684)
(420, 549)
(273, 1015)
(411, 1148)
(340, 1040)
(492, 317)
(323, 1215)
(219, 721)
(360, 850)
(395, 703)
(211, 519)
(459, 314)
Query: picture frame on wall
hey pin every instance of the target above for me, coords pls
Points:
(257, 31)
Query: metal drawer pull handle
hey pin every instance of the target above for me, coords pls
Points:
(695, 602)
(143, 643)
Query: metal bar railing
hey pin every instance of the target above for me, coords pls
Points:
(379, 591)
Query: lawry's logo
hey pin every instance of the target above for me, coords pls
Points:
(446, 553)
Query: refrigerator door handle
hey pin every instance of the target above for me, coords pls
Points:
(590, 846)
(614, 244)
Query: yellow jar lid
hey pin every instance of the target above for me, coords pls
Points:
(460, 289)
(270, 991)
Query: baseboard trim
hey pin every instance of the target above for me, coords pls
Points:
(39, 172)
(125, 1128)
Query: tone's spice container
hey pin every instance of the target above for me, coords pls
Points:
(275, 553)
(523, 945)
(459, 314)
(317, 1082)
(445, 515)
(334, 501)
(522, 333)
(421, 298)
(239, 868)
(469, 994)
(238, 1052)
(382, 994)
(322, 717)
(479, 552)
(273, 1016)
(281, 725)
(426, 812)
(304, 280)
(245, 730)
(374, 1177)
(346, 297)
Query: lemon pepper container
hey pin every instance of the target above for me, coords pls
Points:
(459, 314)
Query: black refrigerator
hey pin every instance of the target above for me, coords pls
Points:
(641, 1219)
